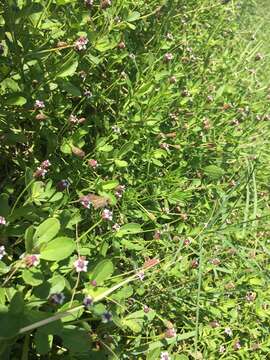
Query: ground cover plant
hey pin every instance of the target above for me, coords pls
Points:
(134, 203)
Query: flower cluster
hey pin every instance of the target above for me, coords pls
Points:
(2, 252)
(39, 104)
(81, 264)
(80, 43)
(88, 301)
(119, 191)
(85, 201)
(107, 214)
(42, 170)
(93, 163)
(31, 260)
(165, 355)
(3, 220)
(57, 298)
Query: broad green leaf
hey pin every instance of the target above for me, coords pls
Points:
(131, 228)
(33, 277)
(57, 283)
(57, 249)
(133, 324)
(68, 69)
(4, 206)
(102, 271)
(213, 172)
(135, 15)
(16, 99)
(43, 342)
(76, 339)
(121, 163)
(109, 185)
(28, 237)
(46, 231)
(16, 306)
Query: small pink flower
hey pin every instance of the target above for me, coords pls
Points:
(85, 201)
(251, 296)
(168, 57)
(81, 264)
(116, 227)
(164, 146)
(222, 349)
(39, 104)
(3, 220)
(40, 172)
(237, 345)
(146, 309)
(119, 191)
(140, 275)
(45, 164)
(116, 129)
(2, 252)
(107, 214)
(80, 43)
(58, 298)
(73, 119)
(31, 260)
(170, 333)
(228, 331)
(165, 355)
(93, 163)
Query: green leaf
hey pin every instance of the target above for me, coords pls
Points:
(68, 69)
(109, 185)
(102, 271)
(10, 324)
(131, 228)
(4, 206)
(134, 324)
(33, 277)
(43, 342)
(46, 231)
(135, 15)
(121, 163)
(16, 306)
(57, 249)
(15, 99)
(213, 172)
(75, 339)
(105, 44)
(28, 237)
(57, 283)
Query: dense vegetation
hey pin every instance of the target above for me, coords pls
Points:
(134, 186)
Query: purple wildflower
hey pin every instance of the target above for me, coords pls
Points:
(62, 185)
(40, 172)
(58, 298)
(31, 260)
(106, 317)
(170, 333)
(81, 264)
(116, 129)
(107, 214)
(116, 227)
(87, 93)
(165, 355)
(2, 252)
(140, 275)
(39, 104)
(93, 163)
(222, 349)
(85, 201)
(119, 191)
(237, 345)
(45, 164)
(228, 331)
(3, 220)
(87, 301)
(168, 57)
(80, 43)
(89, 3)
(251, 296)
